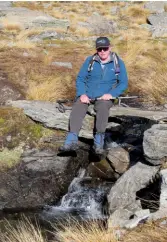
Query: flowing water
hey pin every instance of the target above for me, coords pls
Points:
(86, 199)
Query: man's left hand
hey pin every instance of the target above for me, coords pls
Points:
(106, 97)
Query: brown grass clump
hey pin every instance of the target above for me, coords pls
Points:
(11, 26)
(137, 14)
(146, 64)
(29, 4)
(24, 231)
(150, 232)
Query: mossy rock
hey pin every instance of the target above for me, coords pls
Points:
(18, 132)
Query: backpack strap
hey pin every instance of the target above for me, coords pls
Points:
(116, 63)
(90, 67)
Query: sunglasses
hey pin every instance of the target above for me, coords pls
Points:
(102, 48)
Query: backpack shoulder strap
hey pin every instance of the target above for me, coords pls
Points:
(115, 59)
(116, 63)
(90, 67)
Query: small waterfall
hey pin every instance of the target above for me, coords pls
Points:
(85, 199)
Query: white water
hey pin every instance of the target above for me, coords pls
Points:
(82, 200)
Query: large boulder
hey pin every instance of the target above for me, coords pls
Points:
(27, 18)
(158, 19)
(51, 116)
(99, 25)
(122, 198)
(159, 24)
(155, 6)
(41, 178)
(154, 144)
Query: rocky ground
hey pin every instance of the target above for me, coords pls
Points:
(32, 173)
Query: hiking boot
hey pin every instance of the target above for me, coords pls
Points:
(98, 143)
(71, 143)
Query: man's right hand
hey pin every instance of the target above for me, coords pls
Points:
(84, 99)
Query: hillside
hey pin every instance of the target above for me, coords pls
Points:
(43, 45)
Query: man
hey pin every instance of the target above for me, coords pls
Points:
(97, 80)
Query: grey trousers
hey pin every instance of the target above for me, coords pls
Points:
(79, 111)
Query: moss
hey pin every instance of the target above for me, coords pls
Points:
(21, 128)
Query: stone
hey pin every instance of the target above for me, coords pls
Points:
(44, 35)
(119, 159)
(123, 193)
(5, 5)
(63, 64)
(8, 92)
(40, 178)
(155, 144)
(102, 170)
(48, 113)
(28, 19)
(158, 20)
(155, 6)
(163, 196)
(99, 25)
(140, 216)
(115, 10)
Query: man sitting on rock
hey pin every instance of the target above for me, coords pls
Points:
(102, 78)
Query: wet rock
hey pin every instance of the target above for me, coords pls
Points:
(41, 178)
(121, 216)
(163, 196)
(154, 144)
(102, 170)
(123, 194)
(119, 159)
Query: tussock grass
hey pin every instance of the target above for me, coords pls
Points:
(24, 231)
(151, 232)
(90, 232)
(83, 32)
(137, 14)
(11, 26)
(30, 5)
(9, 158)
(143, 56)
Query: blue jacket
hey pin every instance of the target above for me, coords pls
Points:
(100, 80)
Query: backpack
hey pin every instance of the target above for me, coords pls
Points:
(116, 64)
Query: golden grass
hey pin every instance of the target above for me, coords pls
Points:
(25, 231)
(143, 56)
(90, 232)
(30, 5)
(165, 7)
(9, 158)
(137, 14)
(50, 90)
(151, 232)
(11, 26)
(57, 14)
(82, 31)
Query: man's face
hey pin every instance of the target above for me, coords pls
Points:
(104, 52)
